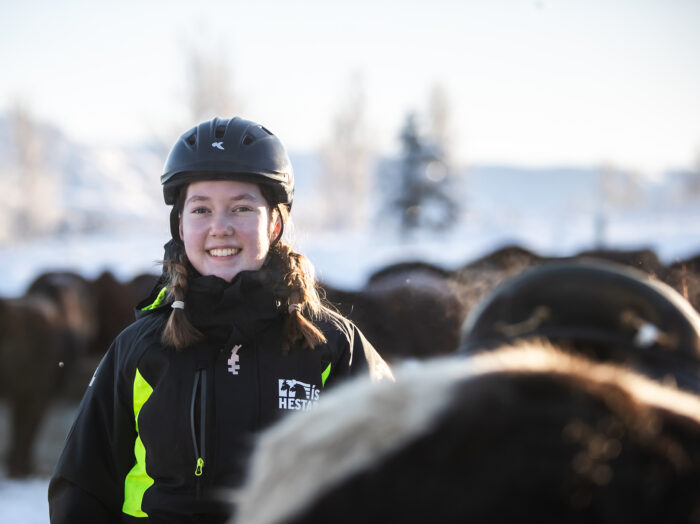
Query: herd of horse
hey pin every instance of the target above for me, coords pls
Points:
(53, 336)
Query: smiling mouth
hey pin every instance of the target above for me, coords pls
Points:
(227, 252)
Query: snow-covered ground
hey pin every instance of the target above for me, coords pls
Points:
(24, 501)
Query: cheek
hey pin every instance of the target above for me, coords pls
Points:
(263, 235)
(191, 231)
(260, 238)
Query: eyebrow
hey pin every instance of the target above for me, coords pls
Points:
(237, 198)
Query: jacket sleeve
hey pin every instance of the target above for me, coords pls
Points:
(88, 482)
(356, 355)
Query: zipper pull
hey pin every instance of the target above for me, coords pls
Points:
(200, 467)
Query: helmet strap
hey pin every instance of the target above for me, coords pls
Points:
(175, 225)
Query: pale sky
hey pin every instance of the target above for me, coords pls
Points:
(531, 82)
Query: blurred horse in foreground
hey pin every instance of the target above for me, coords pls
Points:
(575, 400)
(519, 433)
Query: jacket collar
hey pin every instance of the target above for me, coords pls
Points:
(248, 304)
(217, 308)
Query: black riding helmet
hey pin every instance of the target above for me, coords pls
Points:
(607, 311)
(227, 149)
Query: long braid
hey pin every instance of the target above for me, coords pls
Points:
(303, 300)
(179, 331)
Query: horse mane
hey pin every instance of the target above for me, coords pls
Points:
(521, 430)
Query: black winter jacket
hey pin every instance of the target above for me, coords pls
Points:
(161, 434)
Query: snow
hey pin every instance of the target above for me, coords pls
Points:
(24, 501)
(125, 255)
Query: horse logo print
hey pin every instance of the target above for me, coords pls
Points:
(297, 396)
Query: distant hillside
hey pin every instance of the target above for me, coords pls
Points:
(517, 190)
(50, 184)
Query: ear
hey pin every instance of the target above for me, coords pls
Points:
(179, 227)
(278, 225)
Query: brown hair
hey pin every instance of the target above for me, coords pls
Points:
(298, 284)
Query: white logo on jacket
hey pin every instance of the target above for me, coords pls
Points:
(233, 365)
(297, 396)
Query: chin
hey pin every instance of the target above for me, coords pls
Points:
(228, 277)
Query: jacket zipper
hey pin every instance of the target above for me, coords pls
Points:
(200, 385)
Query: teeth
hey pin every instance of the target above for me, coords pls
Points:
(223, 252)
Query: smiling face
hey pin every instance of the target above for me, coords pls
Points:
(226, 227)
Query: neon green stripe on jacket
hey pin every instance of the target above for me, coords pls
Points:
(324, 375)
(137, 480)
(158, 301)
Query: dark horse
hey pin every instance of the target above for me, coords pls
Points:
(516, 434)
(51, 340)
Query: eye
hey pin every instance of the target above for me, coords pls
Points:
(199, 210)
(242, 209)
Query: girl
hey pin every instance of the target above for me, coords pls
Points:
(234, 336)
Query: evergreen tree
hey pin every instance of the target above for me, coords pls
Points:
(423, 200)
(346, 157)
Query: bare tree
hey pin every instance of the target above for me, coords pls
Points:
(619, 188)
(209, 83)
(616, 189)
(692, 185)
(207, 86)
(439, 125)
(30, 194)
(345, 180)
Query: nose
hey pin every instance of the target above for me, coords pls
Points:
(221, 225)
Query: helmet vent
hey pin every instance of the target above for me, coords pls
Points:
(220, 131)
(247, 140)
(267, 131)
(192, 139)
